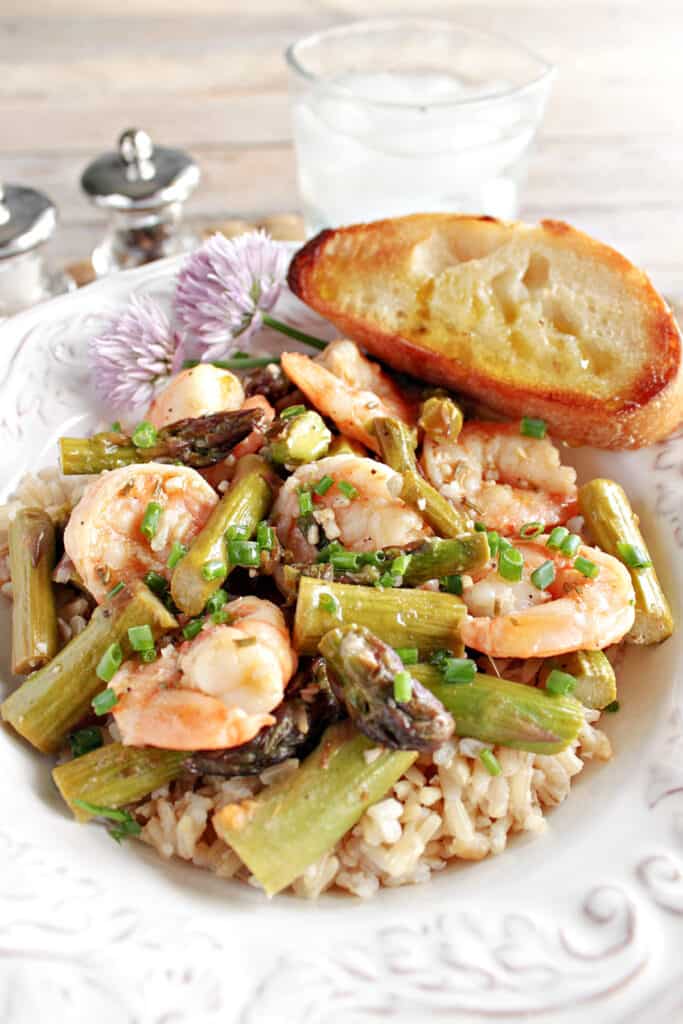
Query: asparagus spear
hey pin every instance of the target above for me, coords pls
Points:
(244, 505)
(614, 525)
(34, 619)
(398, 451)
(437, 557)
(197, 442)
(596, 683)
(504, 713)
(401, 618)
(441, 418)
(342, 445)
(291, 824)
(363, 671)
(308, 708)
(55, 698)
(114, 776)
(295, 440)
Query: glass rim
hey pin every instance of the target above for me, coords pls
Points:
(546, 73)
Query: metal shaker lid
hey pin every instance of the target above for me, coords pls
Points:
(27, 219)
(140, 175)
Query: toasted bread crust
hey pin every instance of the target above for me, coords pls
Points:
(649, 408)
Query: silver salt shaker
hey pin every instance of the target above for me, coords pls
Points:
(27, 220)
(143, 187)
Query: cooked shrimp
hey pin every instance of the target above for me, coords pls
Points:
(200, 391)
(212, 692)
(104, 537)
(342, 384)
(516, 620)
(508, 479)
(374, 518)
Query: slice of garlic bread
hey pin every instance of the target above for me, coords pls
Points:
(532, 320)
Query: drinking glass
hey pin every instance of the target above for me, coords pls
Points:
(407, 115)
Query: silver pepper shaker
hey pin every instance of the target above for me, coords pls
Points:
(27, 220)
(143, 187)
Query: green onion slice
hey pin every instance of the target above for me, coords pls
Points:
(459, 670)
(452, 584)
(104, 701)
(586, 567)
(403, 687)
(177, 552)
(530, 427)
(544, 575)
(109, 663)
(85, 740)
(291, 411)
(490, 761)
(511, 564)
(144, 435)
(557, 537)
(530, 530)
(244, 552)
(633, 556)
(150, 520)
(570, 545)
(192, 628)
(141, 638)
(408, 655)
(323, 485)
(347, 489)
(215, 569)
(560, 683)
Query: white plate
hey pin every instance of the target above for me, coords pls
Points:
(582, 923)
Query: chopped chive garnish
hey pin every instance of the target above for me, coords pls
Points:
(325, 553)
(347, 489)
(220, 617)
(244, 552)
(149, 654)
(156, 582)
(503, 542)
(613, 707)
(215, 569)
(104, 702)
(510, 564)
(480, 527)
(345, 561)
(292, 410)
(490, 761)
(586, 567)
(192, 628)
(459, 670)
(128, 828)
(265, 536)
(116, 426)
(530, 427)
(112, 813)
(216, 601)
(144, 435)
(403, 687)
(115, 590)
(439, 657)
(177, 552)
(141, 638)
(633, 556)
(376, 558)
(557, 537)
(494, 542)
(85, 740)
(408, 655)
(328, 603)
(570, 545)
(237, 532)
(245, 641)
(387, 579)
(560, 683)
(544, 575)
(150, 520)
(305, 502)
(400, 565)
(452, 584)
(531, 530)
(323, 485)
(109, 663)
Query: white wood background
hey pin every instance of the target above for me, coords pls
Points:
(209, 74)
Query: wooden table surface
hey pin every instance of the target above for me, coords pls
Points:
(76, 72)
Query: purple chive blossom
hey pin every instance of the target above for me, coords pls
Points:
(225, 288)
(136, 350)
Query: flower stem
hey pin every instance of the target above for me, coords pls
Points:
(292, 332)
(238, 363)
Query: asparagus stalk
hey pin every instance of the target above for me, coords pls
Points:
(244, 505)
(398, 451)
(596, 683)
(401, 618)
(504, 713)
(437, 557)
(34, 618)
(342, 445)
(197, 442)
(55, 698)
(612, 522)
(291, 824)
(441, 418)
(114, 776)
(298, 439)
(363, 671)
